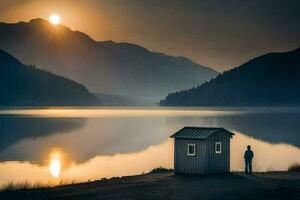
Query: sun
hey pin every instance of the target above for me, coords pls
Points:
(54, 19)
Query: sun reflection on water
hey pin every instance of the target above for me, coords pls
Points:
(55, 163)
(61, 166)
(55, 168)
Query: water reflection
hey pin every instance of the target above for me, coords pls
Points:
(17, 128)
(116, 142)
(97, 137)
(54, 167)
(267, 157)
(95, 168)
(56, 160)
(273, 127)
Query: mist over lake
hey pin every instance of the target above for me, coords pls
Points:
(95, 143)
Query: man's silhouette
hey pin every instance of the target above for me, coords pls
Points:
(248, 160)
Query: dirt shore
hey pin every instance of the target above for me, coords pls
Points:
(269, 185)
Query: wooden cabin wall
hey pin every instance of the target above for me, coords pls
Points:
(189, 164)
(217, 163)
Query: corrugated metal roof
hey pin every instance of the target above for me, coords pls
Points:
(197, 132)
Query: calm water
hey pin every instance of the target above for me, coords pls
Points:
(49, 145)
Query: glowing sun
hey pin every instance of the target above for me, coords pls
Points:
(54, 19)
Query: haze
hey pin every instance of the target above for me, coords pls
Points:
(213, 33)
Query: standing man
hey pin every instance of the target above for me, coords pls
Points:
(248, 160)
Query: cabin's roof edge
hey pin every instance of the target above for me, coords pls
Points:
(202, 135)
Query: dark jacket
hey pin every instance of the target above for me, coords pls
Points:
(248, 154)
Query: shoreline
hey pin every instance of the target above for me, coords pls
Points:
(166, 185)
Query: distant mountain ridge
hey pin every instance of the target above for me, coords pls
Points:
(22, 85)
(103, 66)
(268, 80)
(119, 100)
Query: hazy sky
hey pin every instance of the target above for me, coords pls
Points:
(219, 34)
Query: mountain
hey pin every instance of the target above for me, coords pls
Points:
(269, 80)
(22, 85)
(125, 100)
(104, 67)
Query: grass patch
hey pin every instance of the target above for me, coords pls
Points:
(11, 186)
(294, 168)
(160, 170)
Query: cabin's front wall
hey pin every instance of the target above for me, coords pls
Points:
(189, 164)
(217, 162)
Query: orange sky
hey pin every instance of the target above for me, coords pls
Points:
(211, 33)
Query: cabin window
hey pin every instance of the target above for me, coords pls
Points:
(218, 147)
(191, 149)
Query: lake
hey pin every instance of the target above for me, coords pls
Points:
(48, 145)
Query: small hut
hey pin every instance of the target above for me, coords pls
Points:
(202, 150)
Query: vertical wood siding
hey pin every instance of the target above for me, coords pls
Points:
(206, 161)
(189, 164)
(218, 163)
